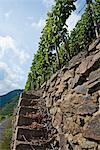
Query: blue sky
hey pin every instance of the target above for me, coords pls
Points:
(21, 22)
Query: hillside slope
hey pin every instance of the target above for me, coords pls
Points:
(66, 115)
(8, 97)
(8, 109)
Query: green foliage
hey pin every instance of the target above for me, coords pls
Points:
(48, 58)
(7, 135)
(7, 97)
(84, 32)
(56, 47)
(7, 110)
(96, 7)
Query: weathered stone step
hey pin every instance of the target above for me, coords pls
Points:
(23, 110)
(31, 134)
(34, 142)
(23, 146)
(34, 145)
(24, 121)
(28, 102)
(32, 95)
(28, 120)
(32, 127)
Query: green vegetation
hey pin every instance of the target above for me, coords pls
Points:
(84, 32)
(7, 97)
(56, 46)
(7, 135)
(7, 110)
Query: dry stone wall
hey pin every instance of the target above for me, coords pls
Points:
(73, 99)
(65, 113)
(33, 128)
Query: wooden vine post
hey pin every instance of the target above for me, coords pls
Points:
(90, 4)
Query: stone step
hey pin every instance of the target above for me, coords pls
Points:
(28, 146)
(31, 95)
(33, 142)
(32, 127)
(30, 134)
(26, 120)
(28, 102)
(23, 110)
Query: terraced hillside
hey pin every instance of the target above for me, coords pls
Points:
(65, 114)
(32, 124)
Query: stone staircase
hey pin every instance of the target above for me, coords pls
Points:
(33, 129)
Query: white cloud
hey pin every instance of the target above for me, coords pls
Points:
(13, 78)
(40, 24)
(7, 44)
(12, 63)
(48, 2)
(36, 24)
(30, 18)
(8, 14)
(72, 20)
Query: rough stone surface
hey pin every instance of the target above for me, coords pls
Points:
(84, 66)
(89, 64)
(87, 108)
(94, 75)
(75, 97)
(73, 81)
(71, 105)
(94, 45)
(70, 126)
(81, 89)
(57, 120)
(92, 128)
(33, 128)
(67, 75)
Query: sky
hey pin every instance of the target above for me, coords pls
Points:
(21, 23)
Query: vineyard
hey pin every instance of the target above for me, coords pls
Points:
(57, 46)
(60, 107)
